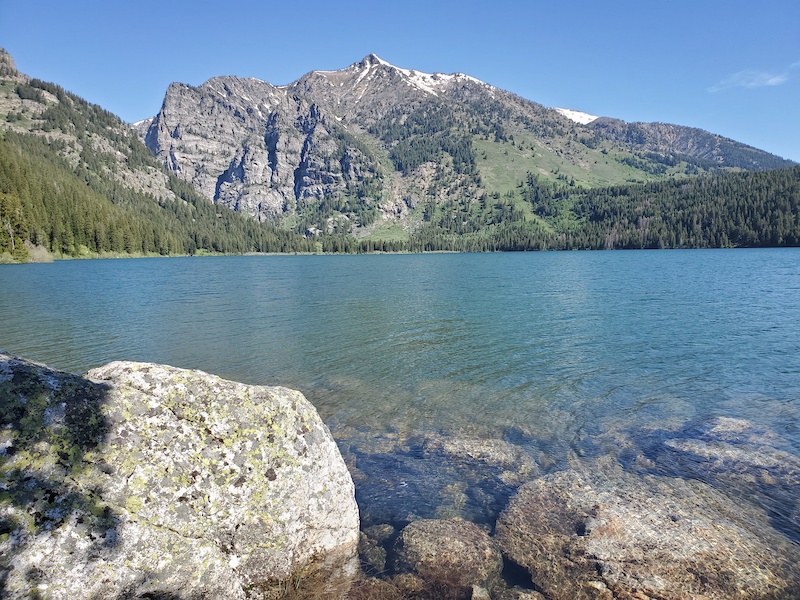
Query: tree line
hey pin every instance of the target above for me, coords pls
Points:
(745, 209)
(43, 201)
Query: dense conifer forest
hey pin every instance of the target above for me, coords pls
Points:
(46, 203)
(748, 209)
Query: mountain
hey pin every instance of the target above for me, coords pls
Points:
(77, 181)
(364, 149)
(369, 158)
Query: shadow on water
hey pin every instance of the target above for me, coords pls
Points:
(50, 422)
(434, 475)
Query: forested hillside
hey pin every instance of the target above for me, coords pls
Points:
(748, 209)
(734, 210)
(45, 203)
(77, 182)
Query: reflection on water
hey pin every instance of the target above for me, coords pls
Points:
(562, 356)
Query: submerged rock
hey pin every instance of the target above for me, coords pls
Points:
(453, 553)
(736, 456)
(143, 479)
(603, 533)
(372, 548)
(510, 464)
(435, 476)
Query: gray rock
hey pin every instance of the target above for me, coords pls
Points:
(7, 66)
(509, 463)
(480, 593)
(602, 533)
(147, 479)
(256, 148)
(453, 553)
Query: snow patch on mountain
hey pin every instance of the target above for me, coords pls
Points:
(432, 83)
(143, 123)
(577, 116)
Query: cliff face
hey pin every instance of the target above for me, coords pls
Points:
(272, 151)
(142, 479)
(8, 67)
(255, 147)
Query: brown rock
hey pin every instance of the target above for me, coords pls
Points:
(607, 534)
(455, 553)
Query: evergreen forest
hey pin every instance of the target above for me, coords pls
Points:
(44, 202)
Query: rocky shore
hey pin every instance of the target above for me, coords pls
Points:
(146, 481)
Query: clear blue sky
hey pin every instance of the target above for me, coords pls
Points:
(729, 66)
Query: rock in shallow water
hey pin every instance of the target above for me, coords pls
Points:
(147, 479)
(453, 553)
(607, 534)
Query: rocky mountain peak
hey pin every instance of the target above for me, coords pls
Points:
(374, 140)
(7, 66)
(371, 59)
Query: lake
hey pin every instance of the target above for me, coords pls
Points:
(559, 354)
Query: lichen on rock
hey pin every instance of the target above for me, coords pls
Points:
(148, 479)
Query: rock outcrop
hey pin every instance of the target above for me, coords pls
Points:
(142, 480)
(603, 533)
(7, 66)
(258, 148)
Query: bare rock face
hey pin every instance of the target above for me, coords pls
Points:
(607, 534)
(256, 148)
(142, 479)
(7, 66)
(451, 553)
(273, 150)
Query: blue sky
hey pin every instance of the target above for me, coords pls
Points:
(728, 66)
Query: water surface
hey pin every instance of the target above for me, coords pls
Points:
(548, 351)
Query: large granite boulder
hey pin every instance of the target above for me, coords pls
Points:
(603, 533)
(143, 480)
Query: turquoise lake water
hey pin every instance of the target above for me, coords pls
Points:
(549, 351)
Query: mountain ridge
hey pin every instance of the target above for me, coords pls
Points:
(372, 142)
(457, 166)
(75, 181)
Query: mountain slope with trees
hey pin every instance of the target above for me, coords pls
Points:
(76, 181)
(446, 169)
(364, 149)
(743, 210)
